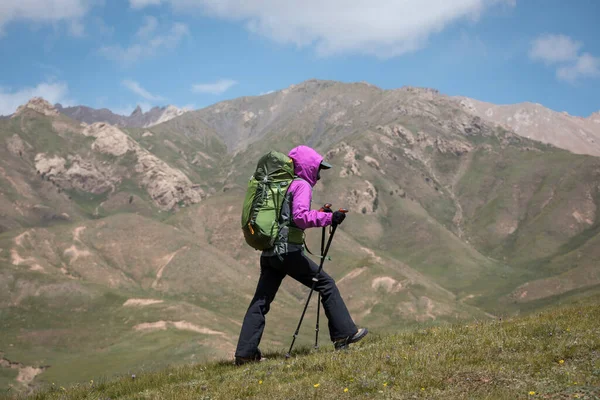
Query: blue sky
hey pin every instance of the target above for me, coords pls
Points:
(119, 53)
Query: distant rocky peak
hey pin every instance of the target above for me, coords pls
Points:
(137, 111)
(595, 117)
(38, 104)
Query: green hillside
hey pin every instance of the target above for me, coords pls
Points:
(549, 355)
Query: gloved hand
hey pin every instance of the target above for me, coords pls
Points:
(337, 217)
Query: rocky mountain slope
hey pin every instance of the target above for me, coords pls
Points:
(534, 121)
(137, 119)
(120, 242)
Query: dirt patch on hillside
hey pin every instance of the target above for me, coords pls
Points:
(74, 253)
(180, 325)
(19, 239)
(151, 326)
(582, 218)
(165, 261)
(77, 232)
(387, 283)
(31, 262)
(64, 127)
(187, 326)
(370, 252)
(16, 146)
(26, 373)
(352, 274)
(141, 302)
(362, 197)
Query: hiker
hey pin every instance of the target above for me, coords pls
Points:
(289, 259)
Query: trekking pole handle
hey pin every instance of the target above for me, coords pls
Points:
(326, 208)
(342, 210)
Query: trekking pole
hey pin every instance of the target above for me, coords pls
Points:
(325, 208)
(315, 280)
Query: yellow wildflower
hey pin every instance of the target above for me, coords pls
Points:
(346, 390)
(532, 393)
(260, 382)
(317, 385)
(384, 383)
(422, 389)
(561, 362)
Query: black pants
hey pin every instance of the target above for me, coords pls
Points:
(302, 269)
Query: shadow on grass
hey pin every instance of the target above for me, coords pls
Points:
(276, 355)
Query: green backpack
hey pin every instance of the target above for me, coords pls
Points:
(264, 198)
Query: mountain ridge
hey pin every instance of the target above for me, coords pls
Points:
(137, 119)
(579, 135)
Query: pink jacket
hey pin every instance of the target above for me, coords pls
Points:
(306, 166)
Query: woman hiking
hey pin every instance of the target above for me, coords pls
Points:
(289, 259)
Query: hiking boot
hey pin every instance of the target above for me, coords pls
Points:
(343, 344)
(243, 360)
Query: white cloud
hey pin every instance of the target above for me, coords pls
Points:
(140, 91)
(552, 49)
(45, 11)
(143, 3)
(564, 51)
(76, 28)
(53, 92)
(218, 87)
(384, 28)
(149, 27)
(586, 66)
(146, 48)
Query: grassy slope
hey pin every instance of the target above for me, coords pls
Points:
(83, 330)
(553, 354)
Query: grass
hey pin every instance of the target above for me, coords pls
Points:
(553, 354)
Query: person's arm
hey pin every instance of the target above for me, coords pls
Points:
(303, 216)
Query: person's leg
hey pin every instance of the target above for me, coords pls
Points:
(254, 321)
(303, 269)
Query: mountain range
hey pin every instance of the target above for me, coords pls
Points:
(138, 118)
(534, 121)
(121, 242)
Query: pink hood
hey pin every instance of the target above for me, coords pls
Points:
(306, 163)
(306, 166)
